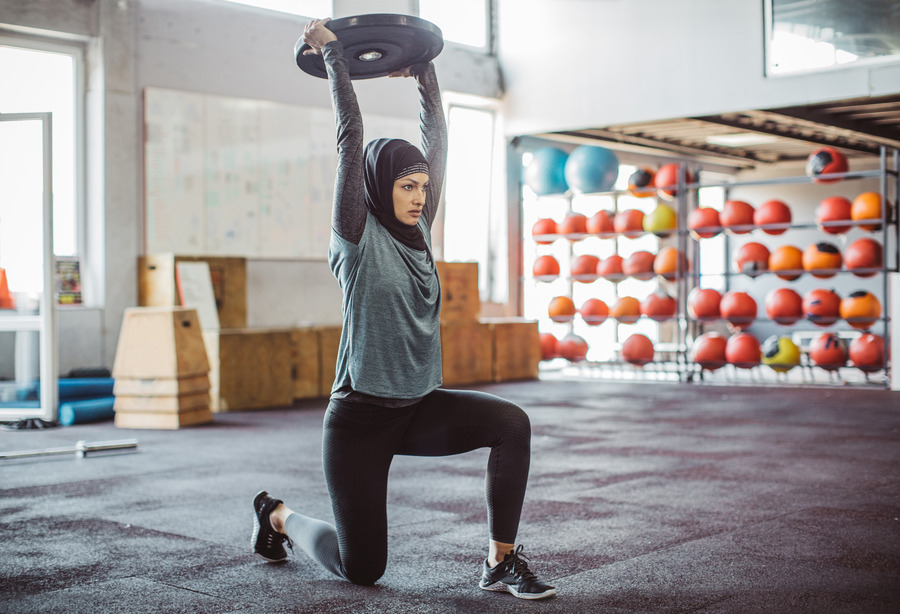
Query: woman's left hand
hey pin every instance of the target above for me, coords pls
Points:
(403, 72)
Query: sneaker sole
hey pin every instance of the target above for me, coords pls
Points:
(255, 537)
(500, 587)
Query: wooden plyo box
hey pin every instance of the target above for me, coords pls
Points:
(329, 342)
(516, 349)
(460, 301)
(157, 284)
(251, 368)
(466, 353)
(306, 365)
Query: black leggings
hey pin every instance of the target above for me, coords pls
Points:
(359, 443)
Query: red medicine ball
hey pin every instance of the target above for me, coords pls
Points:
(737, 216)
(743, 350)
(545, 268)
(828, 351)
(822, 307)
(667, 179)
(548, 346)
(708, 350)
(703, 304)
(639, 265)
(784, 305)
(611, 267)
(774, 216)
(572, 347)
(832, 210)
(584, 268)
(867, 352)
(703, 222)
(637, 349)
(600, 224)
(738, 308)
(863, 256)
(752, 258)
(824, 161)
(658, 306)
(594, 311)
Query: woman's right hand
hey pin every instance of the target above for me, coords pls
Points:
(316, 35)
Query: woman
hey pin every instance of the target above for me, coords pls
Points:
(386, 398)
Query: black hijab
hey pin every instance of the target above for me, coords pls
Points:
(387, 160)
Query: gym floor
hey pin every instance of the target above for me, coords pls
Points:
(642, 498)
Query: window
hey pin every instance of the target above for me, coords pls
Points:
(803, 35)
(58, 89)
(466, 22)
(469, 224)
(306, 8)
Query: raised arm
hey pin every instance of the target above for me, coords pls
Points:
(348, 215)
(434, 135)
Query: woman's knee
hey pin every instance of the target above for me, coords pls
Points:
(364, 575)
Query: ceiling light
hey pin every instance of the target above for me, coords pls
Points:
(741, 139)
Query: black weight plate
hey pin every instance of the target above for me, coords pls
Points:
(397, 41)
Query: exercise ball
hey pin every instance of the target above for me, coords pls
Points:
(822, 259)
(824, 161)
(828, 351)
(545, 173)
(743, 350)
(572, 347)
(561, 309)
(667, 179)
(867, 207)
(611, 268)
(637, 350)
(784, 306)
(780, 354)
(659, 306)
(703, 222)
(867, 352)
(626, 310)
(601, 224)
(549, 349)
(545, 268)
(629, 222)
(703, 304)
(752, 258)
(737, 216)
(670, 263)
(738, 308)
(822, 307)
(708, 351)
(661, 221)
(594, 311)
(774, 214)
(584, 268)
(834, 209)
(863, 256)
(573, 226)
(787, 262)
(590, 168)
(544, 231)
(639, 265)
(861, 309)
(641, 183)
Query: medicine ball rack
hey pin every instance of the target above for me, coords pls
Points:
(673, 361)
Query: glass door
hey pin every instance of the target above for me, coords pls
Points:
(28, 365)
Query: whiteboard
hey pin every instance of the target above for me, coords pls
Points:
(230, 176)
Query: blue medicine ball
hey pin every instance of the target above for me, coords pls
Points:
(592, 169)
(546, 173)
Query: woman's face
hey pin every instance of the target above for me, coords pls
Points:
(409, 197)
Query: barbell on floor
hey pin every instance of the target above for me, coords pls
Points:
(81, 449)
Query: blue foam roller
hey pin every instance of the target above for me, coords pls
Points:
(85, 388)
(88, 410)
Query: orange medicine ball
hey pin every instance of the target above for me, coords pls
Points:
(861, 309)
(738, 308)
(863, 256)
(708, 350)
(594, 311)
(561, 309)
(670, 262)
(545, 268)
(637, 349)
(822, 259)
(626, 310)
(601, 224)
(548, 346)
(584, 268)
(641, 182)
(831, 210)
(867, 352)
(828, 351)
(822, 307)
(703, 304)
(544, 231)
(737, 216)
(639, 265)
(774, 216)
(865, 207)
(787, 262)
(784, 306)
(743, 350)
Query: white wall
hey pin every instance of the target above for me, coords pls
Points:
(572, 64)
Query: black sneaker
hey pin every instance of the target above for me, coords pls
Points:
(513, 575)
(266, 541)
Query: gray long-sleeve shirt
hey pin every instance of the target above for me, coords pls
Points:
(390, 351)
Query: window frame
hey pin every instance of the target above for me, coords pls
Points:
(489, 26)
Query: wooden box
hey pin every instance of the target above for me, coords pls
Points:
(466, 353)
(516, 349)
(251, 368)
(460, 301)
(329, 342)
(160, 342)
(157, 284)
(305, 363)
(162, 420)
